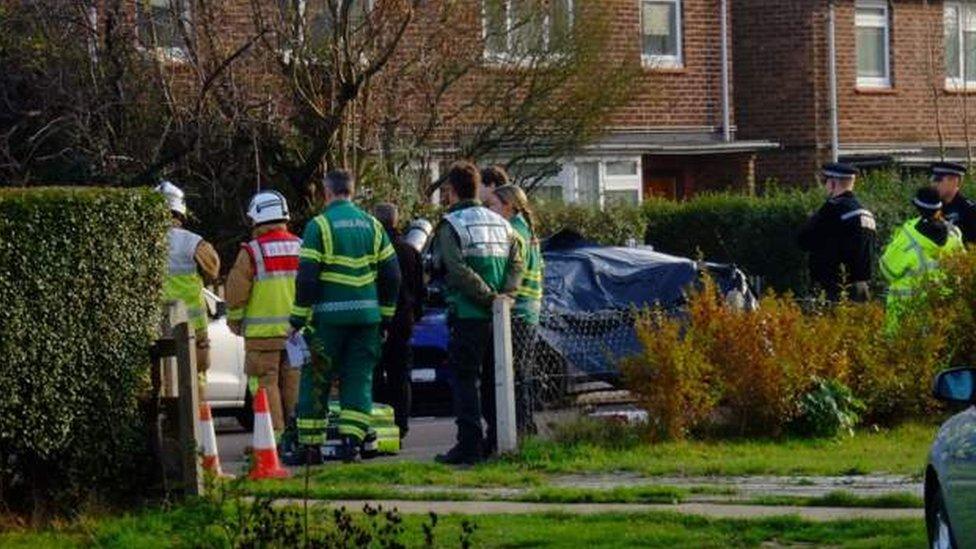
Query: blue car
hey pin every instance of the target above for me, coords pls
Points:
(950, 477)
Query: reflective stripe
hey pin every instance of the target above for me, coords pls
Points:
(310, 254)
(338, 306)
(183, 271)
(349, 280)
(529, 292)
(302, 312)
(387, 311)
(353, 415)
(352, 430)
(235, 314)
(276, 274)
(351, 262)
(387, 253)
(901, 292)
(856, 213)
(323, 225)
(258, 321)
(533, 276)
(308, 423)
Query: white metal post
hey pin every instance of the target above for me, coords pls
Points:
(504, 375)
(832, 79)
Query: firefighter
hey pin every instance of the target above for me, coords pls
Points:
(840, 239)
(960, 211)
(192, 262)
(915, 250)
(479, 256)
(348, 278)
(260, 294)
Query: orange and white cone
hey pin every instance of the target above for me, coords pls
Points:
(211, 460)
(265, 453)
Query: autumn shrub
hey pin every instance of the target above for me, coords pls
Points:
(753, 372)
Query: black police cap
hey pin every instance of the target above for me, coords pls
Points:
(948, 168)
(927, 198)
(838, 170)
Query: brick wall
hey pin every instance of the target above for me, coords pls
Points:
(782, 87)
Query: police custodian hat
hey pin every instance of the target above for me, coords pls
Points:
(837, 170)
(948, 168)
(927, 198)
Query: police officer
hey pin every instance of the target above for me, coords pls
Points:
(260, 294)
(348, 278)
(840, 238)
(191, 260)
(480, 257)
(915, 250)
(960, 211)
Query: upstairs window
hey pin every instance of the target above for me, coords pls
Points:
(163, 25)
(521, 29)
(871, 20)
(960, 45)
(661, 33)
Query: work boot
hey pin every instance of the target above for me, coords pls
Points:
(297, 455)
(370, 446)
(348, 451)
(460, 456)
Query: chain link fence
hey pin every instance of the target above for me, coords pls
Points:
(567, 354)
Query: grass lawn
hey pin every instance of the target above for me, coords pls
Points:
(197, 526)
(897, 451)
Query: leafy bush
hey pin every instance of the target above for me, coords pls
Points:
(828, 410)
(81, 273)
(755, 372)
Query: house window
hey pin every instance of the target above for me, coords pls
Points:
(608, 182)
(521, 29)
(873, 52)
(661, 33)
(960, 44)
(163, 24)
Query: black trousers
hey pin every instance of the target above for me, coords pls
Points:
(470, 355)
(391, 379)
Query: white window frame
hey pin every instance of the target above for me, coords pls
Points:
(631, 182)
(656, 61)
(960, 83)
(509, 56)
(177, 54)
(876, 22)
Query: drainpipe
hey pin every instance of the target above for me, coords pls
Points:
(726, 118)
(832, 76)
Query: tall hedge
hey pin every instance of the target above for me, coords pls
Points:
(81, 272)
(759, 233)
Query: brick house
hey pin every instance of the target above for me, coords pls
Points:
(900, 94)
(675, 137)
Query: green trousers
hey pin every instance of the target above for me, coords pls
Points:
(349, 353)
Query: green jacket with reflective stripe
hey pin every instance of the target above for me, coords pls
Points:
(348, 272)
(528, 297)
(911, 255)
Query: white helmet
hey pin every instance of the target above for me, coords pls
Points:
(268, 206)
(175, 198)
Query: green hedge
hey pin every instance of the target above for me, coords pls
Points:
(81, 271)
(757, 233)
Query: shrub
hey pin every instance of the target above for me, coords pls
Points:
(828, 410)
(759, 372)
(81, 273)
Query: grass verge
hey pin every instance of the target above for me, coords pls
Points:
(197, 525)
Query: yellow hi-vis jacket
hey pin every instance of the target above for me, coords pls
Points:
(909, 257)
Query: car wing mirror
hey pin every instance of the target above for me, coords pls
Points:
(957, 385)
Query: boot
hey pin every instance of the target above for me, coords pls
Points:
(348, 451)
(370, 446)
(460, 456)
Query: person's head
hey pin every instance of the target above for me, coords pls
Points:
(492, 177)
(511, 200)
(947, 178)
(268, 207)
(387, 214)
(463, 182)
(338, 185)
(928, 203)
(838, 178)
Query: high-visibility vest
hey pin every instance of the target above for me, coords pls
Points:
(274, 256)
(485, 239)
(350, 245)
(528, 297)
(910, 256)
(183, 282)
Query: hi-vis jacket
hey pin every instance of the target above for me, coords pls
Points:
(261, 285)
(348, 272)
(188, 252)
(911, 255)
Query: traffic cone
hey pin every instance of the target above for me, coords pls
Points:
(211, 460)
(265, 453)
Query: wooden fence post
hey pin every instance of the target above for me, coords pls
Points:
(188, 405)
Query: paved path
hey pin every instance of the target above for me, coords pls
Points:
(819, 514)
